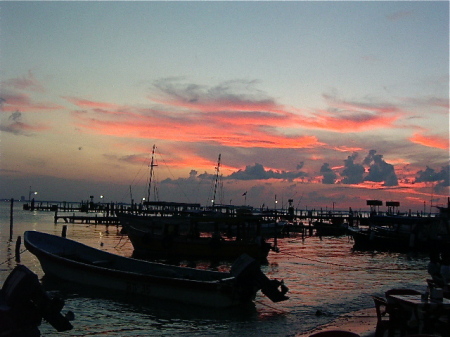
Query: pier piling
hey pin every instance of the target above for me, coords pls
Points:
(18, 243)
(64, 231)
(11, 221)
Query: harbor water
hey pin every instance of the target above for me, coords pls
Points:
(326, 279)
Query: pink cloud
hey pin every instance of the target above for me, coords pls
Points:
(343, 116)
(350, 122)
(191, 113)
(347, 149)
(429, 102)
(27, 82)
(358, 106)
(192, 129)
(15, 125)
(23, 102)
(15, 95)
(430, 141)
(87, 104)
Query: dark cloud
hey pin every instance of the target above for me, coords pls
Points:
(228, 93)
(15, 125)
(379, 170)
(251, 172)
(430, 175)
(15, 116)
(192, 174)
(133, 158)
(254, 172)
(329, 177)
(258, 172)
(203, 176)
(352, 173)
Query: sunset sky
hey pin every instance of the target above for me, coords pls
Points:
(327, 103)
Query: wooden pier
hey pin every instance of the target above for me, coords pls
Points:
(82, 219)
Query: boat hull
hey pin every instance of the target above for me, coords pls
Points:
(403, 233)
(219, 291)
(371, 239)
(147, 244)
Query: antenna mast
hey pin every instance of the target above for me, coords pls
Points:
(151, 173)
(216, 181)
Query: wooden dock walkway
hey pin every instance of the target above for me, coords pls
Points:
(81, 219)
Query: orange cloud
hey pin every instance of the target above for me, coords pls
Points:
(349, 122)
(347, 149)
(191, 113)
(343, 116)
(192, 130)
(430, 141)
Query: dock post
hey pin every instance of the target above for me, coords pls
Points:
(64, 231)
(18, 243)
(11, 221)
(56, 216)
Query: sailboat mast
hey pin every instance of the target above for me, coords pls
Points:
(151, 173)
(216, 181)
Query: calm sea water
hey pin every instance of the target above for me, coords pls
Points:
(322, 274)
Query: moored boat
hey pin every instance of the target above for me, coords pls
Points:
(334, 227)
(170, 243)
(402, 233)
(75, 262)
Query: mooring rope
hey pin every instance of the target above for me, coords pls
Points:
(12, 257)
(349, 267)
(126, 241)
(271, 307)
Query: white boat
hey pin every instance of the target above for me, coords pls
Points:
(75, 262)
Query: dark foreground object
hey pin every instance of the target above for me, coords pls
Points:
(23, 305)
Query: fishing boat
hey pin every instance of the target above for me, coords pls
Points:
(187, 230)
(383, 239)
(170, 243)
(334, 227)
(75, 262)
(394, 231)
(401, 233)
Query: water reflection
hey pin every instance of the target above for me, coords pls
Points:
(323, 274)
(125, 311)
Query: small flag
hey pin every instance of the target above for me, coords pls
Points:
(244, 193)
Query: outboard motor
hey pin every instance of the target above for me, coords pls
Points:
(248, 273)
(23, 304)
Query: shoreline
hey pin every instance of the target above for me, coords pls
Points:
(363, 322)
